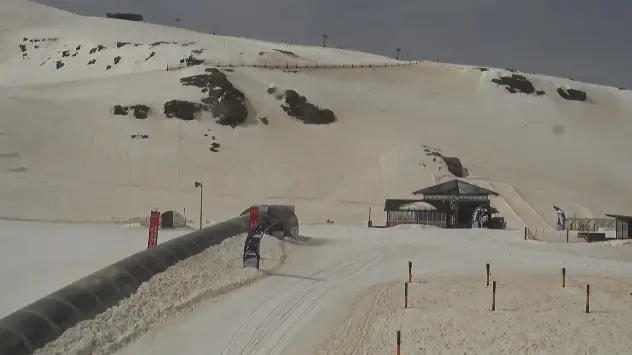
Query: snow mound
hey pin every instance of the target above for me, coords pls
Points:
(180, 288)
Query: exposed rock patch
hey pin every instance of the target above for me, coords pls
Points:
(297, 106)
(517, 83)
(227, 103)
(191, 61)
(151, 55)
(288, 53)
(139, 136)
(184, 110)
(572, 94)
(117, 60)
(140, 111)
(59, 64)
(454, 164)
(214, 147)
(155, 44)
(92, 61)
(98, 48)
(121, 44)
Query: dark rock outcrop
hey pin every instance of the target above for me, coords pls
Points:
(297, 106)
(59, 64)
(92, 61)
(483, 69)
(191, 61)
(453, 164)
(98, 48)
(121, 44)
(572, 94)
(288, 53)
(117, 60)
(140, 111)
(214, 147)
(161, 43)
(227, 103)
(184, 110)
(151, 55)
(516, 83)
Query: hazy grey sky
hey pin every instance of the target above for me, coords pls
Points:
(588, 40)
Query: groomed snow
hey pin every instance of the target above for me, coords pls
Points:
(171, 294)
(344, 291)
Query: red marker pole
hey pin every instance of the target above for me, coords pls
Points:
(410, 271)
(406, 295)
(399, 342)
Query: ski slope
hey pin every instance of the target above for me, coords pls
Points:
(65, 156)
(340, 291)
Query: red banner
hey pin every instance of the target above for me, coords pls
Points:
(154, 221)
(254, 218)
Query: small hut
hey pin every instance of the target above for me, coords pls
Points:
(124, 16)
(622, 226)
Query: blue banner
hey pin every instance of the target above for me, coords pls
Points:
(252, 246)
(561, 218)
(480, 215)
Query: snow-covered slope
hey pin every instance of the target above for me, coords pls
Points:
(64, 155)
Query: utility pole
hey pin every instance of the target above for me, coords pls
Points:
(201, 186)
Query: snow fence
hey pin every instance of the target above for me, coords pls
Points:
(30, 328)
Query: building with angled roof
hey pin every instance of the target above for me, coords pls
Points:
(448, 205)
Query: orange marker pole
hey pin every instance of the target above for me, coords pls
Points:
(406, 295)
(587, 298)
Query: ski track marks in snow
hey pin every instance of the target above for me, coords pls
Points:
(268, 335)
(180, 288)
